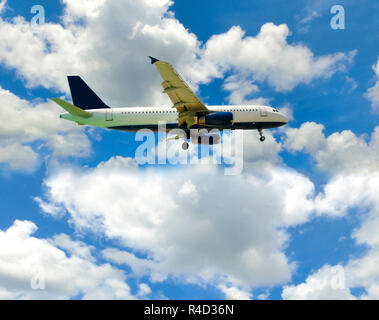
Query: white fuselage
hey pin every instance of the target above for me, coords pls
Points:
(134, 118)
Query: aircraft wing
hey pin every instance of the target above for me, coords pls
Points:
(181, 95)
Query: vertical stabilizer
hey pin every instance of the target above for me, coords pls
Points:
(83, 96)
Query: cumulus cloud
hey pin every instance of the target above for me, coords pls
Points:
(195, 225)
(234, 293)
(89, 48)
(85, 44)
(269, 57)
(361, 188)
(372, 93)
(342, 194)
(325, 284)
(337, 282)
(33, 268)
(111, 44)
(352, 164)
(185, 224)
(27, 127)
(144, 290)
(240, 89)
(77, 248)
(363, 272)
(254, 151)
(19, 157)
(341, 152)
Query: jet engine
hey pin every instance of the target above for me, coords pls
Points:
(217, 119)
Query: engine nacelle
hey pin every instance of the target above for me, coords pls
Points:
(208, 139)
(217, 119)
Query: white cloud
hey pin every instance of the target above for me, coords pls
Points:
(308, 137)
(182, 236)
(218, 228)
(337, 282)
(144, 290)
(98, 50)
(234, 293)
(139, 266)
(18, 156)
(357, 190)
(33, 268)
(352, 162)
(372, 93)
(257, 153)
(27, 127)
(341, 152)
(240, 89)
(48, 207)
(342, 194)
(112, 43)
(287, 109)
(363, 272)
(85, 8)
(77, 248)
(109, 47)
(269, 57)
(325, 284)
(347, 191)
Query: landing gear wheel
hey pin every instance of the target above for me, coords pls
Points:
(262, 137)
(185, 145)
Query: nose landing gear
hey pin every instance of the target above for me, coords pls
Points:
(262, 137)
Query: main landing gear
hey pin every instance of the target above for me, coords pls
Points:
(262, 137)
(185, 145)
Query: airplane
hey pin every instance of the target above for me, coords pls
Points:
(187, 112)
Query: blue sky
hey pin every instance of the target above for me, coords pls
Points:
(324, 162)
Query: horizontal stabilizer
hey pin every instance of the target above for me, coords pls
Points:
(75, 111)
